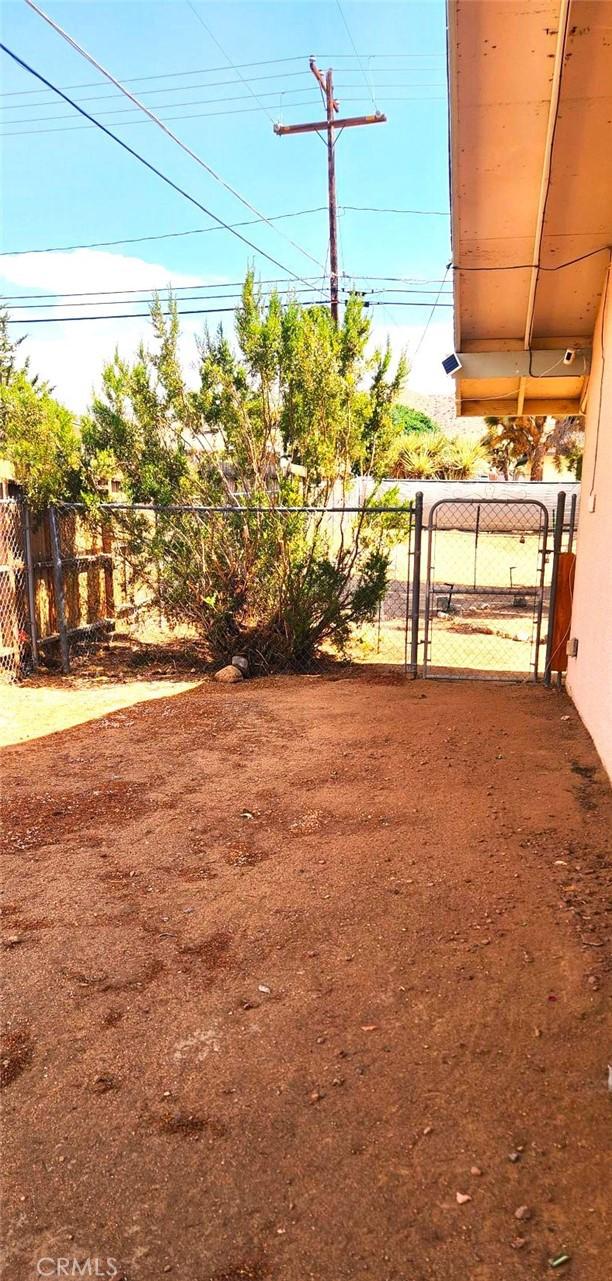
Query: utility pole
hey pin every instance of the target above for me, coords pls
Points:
(330, 127)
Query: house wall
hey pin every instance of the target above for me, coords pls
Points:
(589, 675)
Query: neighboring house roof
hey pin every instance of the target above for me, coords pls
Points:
(531, 188)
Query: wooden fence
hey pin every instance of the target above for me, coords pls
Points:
(58, 581)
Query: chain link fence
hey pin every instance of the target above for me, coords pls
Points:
(466, 592)
(486, 588)
(294, 588)
(15, 642)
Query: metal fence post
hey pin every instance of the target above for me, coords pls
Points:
(27, 542)
(557, 545)
(416, 585)
(572, 524)
(58, 585)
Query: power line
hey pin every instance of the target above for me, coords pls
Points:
(160, 75)
(198, 311)
(96, 301)
(204, 71)
(106, 97)
(437, 303)
(165, 235)
(226, 284)
(90, 293)
(212, 37)
(531, 266)
(124, 124)
(398, 280)
(198, 115)
(437, 213)
(160, 124)
(200, 231)
(153, 169)
(146, 300)
(166, 106)
(350, 36)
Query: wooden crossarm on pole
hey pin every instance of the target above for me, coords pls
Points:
(331, 125)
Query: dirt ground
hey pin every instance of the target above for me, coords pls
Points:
(308, 978)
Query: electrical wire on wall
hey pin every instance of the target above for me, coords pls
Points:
(604, 308)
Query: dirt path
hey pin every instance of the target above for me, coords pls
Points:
(290, 965)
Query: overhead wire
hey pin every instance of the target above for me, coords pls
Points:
(151, 167)
(89, 293)
(213, 37)
(165, 235)
(531, 266)
(26, 302)
(198, 115)
(195, 102)
(198, 311)
(199, 231)
(212, 84)
(74, 44)
(147, 299)
(436, 304)
(110, 94)
(125, 124)
(350, 36)
(202, 71)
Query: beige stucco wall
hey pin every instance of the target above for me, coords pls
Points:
(589, 675)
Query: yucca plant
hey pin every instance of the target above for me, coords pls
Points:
(464, 457)
(434, 456)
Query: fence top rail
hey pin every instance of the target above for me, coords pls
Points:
(186, 508)
(483, 502)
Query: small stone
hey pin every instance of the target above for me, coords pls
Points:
(463, 1197)
(476, 1171)
(263, 987)
(316, 1096)
(523, 1213)
(517, 1243)
(428, 1129)
(103, 1083)
(514, 1157)
(229, 675)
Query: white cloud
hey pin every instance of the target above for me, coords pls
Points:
(71, 356)
(89, 269)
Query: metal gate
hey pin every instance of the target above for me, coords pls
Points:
(486, 590)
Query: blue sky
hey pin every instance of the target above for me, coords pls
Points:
(64, 183)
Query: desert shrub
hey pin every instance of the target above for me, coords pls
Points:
(282, 420)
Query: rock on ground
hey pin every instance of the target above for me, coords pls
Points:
(229, 675)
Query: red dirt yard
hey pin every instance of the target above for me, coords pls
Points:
(308, 978)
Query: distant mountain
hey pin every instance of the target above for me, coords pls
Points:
(442, 410)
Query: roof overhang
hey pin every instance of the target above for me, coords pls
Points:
(531, 196)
